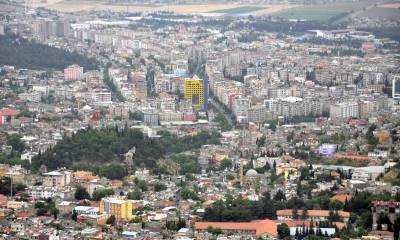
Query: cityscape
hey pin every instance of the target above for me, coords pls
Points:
(206, 120)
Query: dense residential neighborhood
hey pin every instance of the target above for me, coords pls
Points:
(203, 125)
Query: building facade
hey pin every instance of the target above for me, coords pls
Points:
(73, 73)
(120, 208)
(196, 91)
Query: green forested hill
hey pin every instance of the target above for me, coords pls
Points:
(20, 52)
(95, 149)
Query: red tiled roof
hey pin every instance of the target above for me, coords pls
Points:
(23, 215)
(341, 197)
(311, 213)
(259, 227)
(9, 112)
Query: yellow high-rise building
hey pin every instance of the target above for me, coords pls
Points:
(120, 208)
(194, 92)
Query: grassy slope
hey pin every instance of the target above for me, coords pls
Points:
(238, 10)
(322, 12)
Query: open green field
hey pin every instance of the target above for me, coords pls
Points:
(239, 10)
(309, 14)
(322, 12)
(381, 12)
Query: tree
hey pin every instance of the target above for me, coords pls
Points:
(141, 184)
(81, 193)
(54, 211)
(279, 196)
(113, 171)
(16, 143)
(225, 164)
(214, 231)
(295, 213)
(304, 214)
(158, 187)
(5, 186)
(283, 231)
(396, 229)
(272, 126)
(136, 195)
(111, 220)
(101, 193)
(261, 141)
(41, 211)
(74, 215)
(189, 194)
(32, 55)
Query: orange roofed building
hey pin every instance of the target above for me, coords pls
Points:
(258, 228)
(7, 115)
(341, 197)
(84, 176)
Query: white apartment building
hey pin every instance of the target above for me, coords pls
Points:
(240, 106)
(170, 116)
(101, 97)
(343, 110)
(30, 96)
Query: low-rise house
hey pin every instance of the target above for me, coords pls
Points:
(65, 207)
(86, 210)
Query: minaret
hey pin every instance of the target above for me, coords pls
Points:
(241, 172)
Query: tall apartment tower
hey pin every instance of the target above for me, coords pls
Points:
(396, 89)
(196, 91)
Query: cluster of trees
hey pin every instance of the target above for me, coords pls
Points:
(371, 139)
(222, 122)
(5, 187)
(111, 220)
(46, 208)
(174, 144)
(82, 194)
(384, 32)
(302, 232)
(111, 170)
(350, 42)
(341, 52)
(187, 163)
(141, 187)
(237, 210)
(214, 231)
(284, 26)
(135, 195)
(100, 146)
(16, 143)
(175, 225)
(28, 54)
(102, 193)
(338, 16)
(158, 187)
(13, 158)
(187, 193)
(249, 37)
(110, 84)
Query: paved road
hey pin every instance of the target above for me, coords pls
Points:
(222, 111)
